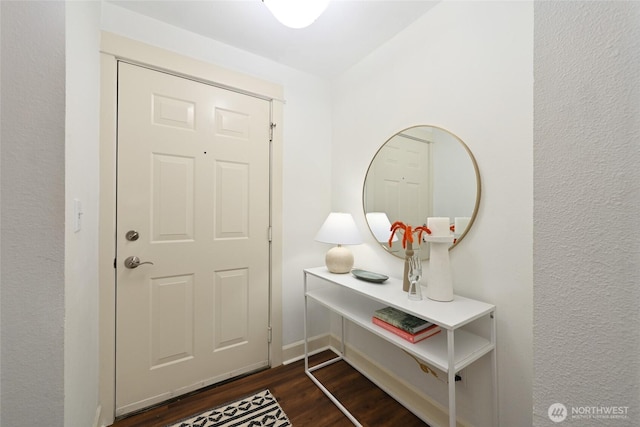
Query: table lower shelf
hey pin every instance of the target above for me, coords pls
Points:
(468, 347)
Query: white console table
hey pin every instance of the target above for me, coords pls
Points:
(454, 349)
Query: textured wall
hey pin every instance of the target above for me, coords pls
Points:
(33, 104)
(586, 201)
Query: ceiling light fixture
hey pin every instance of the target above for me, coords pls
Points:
(296, 13)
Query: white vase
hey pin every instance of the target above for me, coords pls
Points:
(439, 277)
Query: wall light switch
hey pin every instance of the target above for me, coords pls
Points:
(77, 215)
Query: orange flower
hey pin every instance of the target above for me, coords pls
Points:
(408, 232)
(420, 230)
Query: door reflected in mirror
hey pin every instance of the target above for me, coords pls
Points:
(421, 172)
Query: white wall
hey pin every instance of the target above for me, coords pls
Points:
(32, 247)
(587, 195)
(82, 182)
(306, 151)
(467, 67)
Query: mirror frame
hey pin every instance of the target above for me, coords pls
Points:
(476, 206)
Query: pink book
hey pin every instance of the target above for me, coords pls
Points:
(413, 338)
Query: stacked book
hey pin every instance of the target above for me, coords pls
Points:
(411, 328)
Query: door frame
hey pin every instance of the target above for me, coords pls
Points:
(113, 49)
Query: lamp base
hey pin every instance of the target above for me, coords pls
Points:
(339, 260)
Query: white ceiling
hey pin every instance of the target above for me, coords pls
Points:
(345, 33)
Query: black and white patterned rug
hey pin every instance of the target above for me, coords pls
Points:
(259, 410)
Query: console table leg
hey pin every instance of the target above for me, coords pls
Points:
(306, 345)
(452, 379)
(494, 370)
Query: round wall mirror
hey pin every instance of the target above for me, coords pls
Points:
(421, 172)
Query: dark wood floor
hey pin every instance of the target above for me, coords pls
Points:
(301, 400)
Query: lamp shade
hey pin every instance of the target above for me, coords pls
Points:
(339, 229)
(296, 13)
(380, 226)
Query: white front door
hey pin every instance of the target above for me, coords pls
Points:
(193, 194)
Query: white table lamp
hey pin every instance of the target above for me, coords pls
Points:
(339, 229)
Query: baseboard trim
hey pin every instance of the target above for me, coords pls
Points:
(424, 407)
(294, 352)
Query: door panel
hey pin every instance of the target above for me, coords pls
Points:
(171, 320)
(231, 314)
(193, 180)
(173, 198)
(232, 200)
